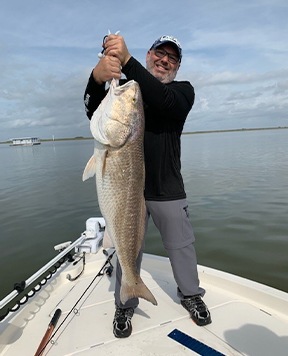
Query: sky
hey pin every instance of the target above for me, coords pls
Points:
(235, 54)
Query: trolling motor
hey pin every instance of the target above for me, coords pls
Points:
(93, 236)
(91, 243)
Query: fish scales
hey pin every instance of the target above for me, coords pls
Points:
(118, 162)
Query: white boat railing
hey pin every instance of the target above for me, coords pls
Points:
(42, 271)
(90, 241)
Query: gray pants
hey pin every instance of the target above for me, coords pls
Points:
(172, 220)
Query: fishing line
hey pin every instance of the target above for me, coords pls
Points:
(73, 309)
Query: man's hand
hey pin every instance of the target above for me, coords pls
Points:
(108, 67)
(116, 46)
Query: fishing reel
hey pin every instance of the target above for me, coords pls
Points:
(108, 270)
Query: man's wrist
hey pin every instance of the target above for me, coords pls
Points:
(96, 77)
(126, 59)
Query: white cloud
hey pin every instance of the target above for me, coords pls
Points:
(235, 55)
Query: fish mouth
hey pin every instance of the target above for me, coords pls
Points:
(123, 87)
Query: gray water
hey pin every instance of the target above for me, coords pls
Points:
(237, 188)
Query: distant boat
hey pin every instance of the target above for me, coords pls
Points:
(25, 141)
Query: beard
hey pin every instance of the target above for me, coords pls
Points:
(163, 78)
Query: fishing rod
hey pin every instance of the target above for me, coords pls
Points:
(48, 335)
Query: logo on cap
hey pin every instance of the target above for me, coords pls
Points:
(170, 39)
(164, 39)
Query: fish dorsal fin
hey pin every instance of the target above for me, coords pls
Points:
(90, 169)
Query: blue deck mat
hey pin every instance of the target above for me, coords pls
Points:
(193, 344)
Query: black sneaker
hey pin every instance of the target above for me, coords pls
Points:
(122, 326)
(197, 310)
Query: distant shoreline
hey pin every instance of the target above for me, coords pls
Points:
(238, 130)
(77, 138)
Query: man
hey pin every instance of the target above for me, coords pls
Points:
(166, 105)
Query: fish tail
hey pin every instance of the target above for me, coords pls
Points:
(138, 290)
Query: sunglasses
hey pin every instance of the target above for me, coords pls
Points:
(161, 53)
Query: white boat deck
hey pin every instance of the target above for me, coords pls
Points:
(247, 318)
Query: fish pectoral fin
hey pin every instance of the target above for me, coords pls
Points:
(138, 290)
(90, 169)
